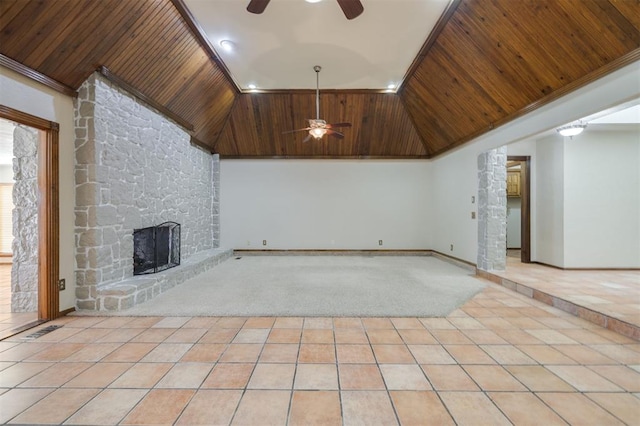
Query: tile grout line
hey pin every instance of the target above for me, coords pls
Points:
(338, 372)
(295, 372)
(366, 333)
(244, 390)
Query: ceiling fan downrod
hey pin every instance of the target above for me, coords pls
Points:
(317, 69)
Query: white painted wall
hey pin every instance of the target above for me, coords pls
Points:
(455, 183)
(602, 199)
(28, 96)
(550, 201)
(325, 204)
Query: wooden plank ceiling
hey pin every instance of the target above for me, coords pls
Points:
(381, 126)
(487, 63)
(495, 60)
(145, 43)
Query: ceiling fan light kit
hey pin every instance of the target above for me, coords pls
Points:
(571, 130)
(319, 130)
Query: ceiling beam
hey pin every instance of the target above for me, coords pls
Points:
(325, 157)
(433, 36)
(202, 38)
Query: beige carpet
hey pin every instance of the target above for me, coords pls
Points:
(362, 286)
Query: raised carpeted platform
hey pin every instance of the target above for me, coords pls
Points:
(363, 286)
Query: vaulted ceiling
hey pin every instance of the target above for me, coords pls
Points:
(484, 64)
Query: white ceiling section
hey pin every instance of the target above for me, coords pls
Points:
(278, 48)
(629, 115)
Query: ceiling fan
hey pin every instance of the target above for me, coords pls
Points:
(317, 127)
(351, 8)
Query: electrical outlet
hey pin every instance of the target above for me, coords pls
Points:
(473, 215)
(451, 247)
(379, 242)
(264, 242)
(473, 199)
(248, 243)
(62, 284)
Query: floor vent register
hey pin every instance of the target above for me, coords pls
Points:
(41, 332)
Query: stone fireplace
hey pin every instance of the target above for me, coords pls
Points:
(135, 169)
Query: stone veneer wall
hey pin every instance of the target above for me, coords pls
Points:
(492, 210)
(24, 271)
(134, 168)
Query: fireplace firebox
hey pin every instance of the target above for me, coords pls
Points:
(156, 248)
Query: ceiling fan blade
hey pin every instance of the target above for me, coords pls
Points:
(335, 125)
(297, 130)
(351, 8)
(307, 139)
(257, 6)
(335, 134)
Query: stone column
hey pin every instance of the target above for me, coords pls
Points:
(88, 237)
(24, 272)
(492, 210)
(215, 208)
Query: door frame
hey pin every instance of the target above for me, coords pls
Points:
(48, 210)
(525, 205)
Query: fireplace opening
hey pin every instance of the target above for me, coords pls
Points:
(156, 248)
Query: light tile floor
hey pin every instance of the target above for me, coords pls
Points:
(9, 320)
(502, 358)
(597, 295)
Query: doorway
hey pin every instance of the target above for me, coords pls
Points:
(519, 206)
(47, 264)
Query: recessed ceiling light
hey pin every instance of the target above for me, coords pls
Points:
(251, 86)
(227, 45)
(391, 86)
(313, 1)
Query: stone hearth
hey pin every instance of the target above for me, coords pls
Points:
(140, 288)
